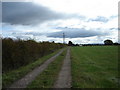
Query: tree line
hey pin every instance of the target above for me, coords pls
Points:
(17, 53)
(106, 42)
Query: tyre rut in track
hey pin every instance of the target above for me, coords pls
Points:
(64, 78)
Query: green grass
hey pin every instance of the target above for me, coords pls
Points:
(48, 77)
(10, 77)
(94, 67)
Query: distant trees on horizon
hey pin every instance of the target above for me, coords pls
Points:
(106, 42)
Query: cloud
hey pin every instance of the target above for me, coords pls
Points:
(89, 8)
(100, 19)
(26, 13)
(114, 16)
(76, 33)
(114, 29)
(103, 19)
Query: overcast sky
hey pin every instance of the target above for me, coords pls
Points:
(82, 21)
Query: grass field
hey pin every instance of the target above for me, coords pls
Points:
(48, 77)
(10, 77)
(94, 67)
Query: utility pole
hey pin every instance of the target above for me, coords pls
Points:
(63, 38)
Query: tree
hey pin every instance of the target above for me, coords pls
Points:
(116, 43)
(70, 43)
(108, 42)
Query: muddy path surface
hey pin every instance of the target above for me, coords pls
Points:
(27, 79)
(64, 78)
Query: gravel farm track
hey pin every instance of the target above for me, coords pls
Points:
(64, 78)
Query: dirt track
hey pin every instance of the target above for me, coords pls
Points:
(64, 78)
(23, 82)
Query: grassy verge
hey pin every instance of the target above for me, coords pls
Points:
(47, 78)
(94, 67)
(10, 77)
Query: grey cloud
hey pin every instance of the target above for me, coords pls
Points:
(76, 33)
(114, 16)
(114, 28)
(99, 19)
(81, 17)
(27, 33)
(26, 13)
(34, 33)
